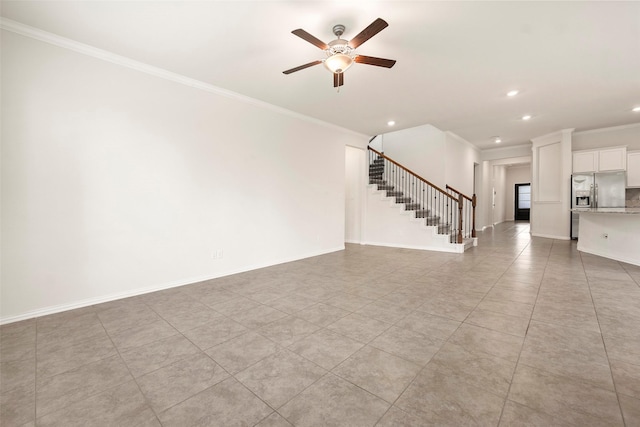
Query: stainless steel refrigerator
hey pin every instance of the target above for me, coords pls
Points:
(595, 190)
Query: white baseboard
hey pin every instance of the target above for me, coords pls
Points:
(141, 291)
(551, 236)
(608, 256)
(455, 247)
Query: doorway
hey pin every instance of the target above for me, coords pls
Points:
(522, 201)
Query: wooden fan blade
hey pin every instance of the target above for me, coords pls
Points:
(364, 35)
(372, 60)
(338, 79)
(302, 67)
(311, 39)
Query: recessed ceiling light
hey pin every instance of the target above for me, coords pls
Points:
(391, 123)
(526, 117)
(496, 139)
(636, 110)
(513, 92)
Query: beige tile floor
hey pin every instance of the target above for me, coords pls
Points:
(517, 331)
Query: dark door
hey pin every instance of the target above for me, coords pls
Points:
(523, 202)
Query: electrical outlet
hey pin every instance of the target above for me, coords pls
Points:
(217, 254)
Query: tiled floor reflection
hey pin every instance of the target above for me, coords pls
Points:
(516, 331)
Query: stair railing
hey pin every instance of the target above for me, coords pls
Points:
(437, 206)
(468, 210)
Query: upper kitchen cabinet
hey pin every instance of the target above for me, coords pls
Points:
(605, 160)
(633, 169)
(612, 159)
(585, 161)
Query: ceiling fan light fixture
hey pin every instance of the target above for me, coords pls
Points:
(338, 63)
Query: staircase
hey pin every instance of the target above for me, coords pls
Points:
(376, 173)
(429, 208)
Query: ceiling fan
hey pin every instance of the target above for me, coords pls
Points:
(340, 53)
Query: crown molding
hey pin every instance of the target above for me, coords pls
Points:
(506, 148)
(514, 161)
(88, 50)
(553, 137)
(608, 129)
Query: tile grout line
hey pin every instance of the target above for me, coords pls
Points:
(604, 344)
(133, 378)
(440, 349)
(207, 355)
(80, 366)
(35, 374)
(330, 371)
(515, 368)
(201, 351)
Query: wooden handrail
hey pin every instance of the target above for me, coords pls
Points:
(448, 187)
(414, 174)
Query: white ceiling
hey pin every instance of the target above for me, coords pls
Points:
(577, 64)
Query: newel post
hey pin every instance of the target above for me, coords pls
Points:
(473, 217)
(460, 201)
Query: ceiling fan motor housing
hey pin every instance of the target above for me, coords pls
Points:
(339, 46)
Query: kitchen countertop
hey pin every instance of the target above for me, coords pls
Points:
(607, 210)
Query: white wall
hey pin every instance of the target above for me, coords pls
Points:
(116, 182)
(355, 185)
(484, 210)
(421, 149)
(628, 135)
(499, 192)
(514, 175)
(459, 160)
(439, 157)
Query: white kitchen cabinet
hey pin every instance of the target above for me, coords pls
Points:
(612, 159)
(633, 169)
(603, 160)
(585, 161)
